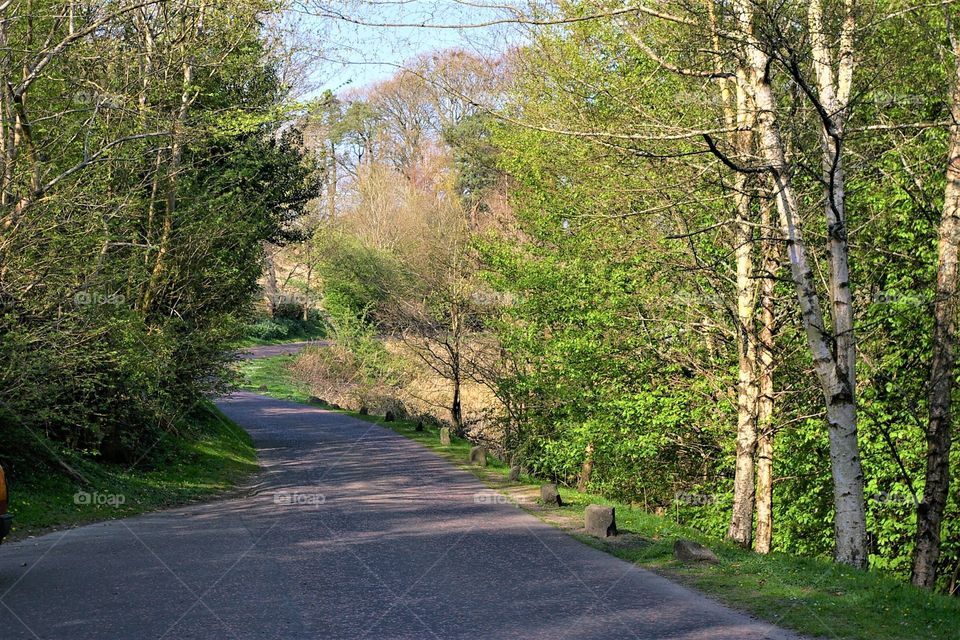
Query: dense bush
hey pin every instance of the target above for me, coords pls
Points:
(268, 329)
(124, 286)
(287, 326)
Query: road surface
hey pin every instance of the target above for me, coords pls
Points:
(284, 349)
(353, 532)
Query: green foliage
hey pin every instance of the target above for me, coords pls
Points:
(285, 328)
(268, 329)
(357, 280)
(123, 288)
(589, 365)
(620, 330)
(475, 158)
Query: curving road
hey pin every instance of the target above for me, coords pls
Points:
(283, 349)
(353, 532)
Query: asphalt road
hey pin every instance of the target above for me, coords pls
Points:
(354, 532)
(285, 349)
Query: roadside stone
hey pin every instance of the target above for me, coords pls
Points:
(445, 437)
(478, 456)
(550, 495)
(389, 416)
(690, 551)
(600, 521)
(514, 473)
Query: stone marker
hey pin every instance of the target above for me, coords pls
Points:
(445, 437)
(600, 521)
(389, 417)
(364, 411)
(550, 496)
(514, 473)
(478, 456)
(420, 424)
(690, 551)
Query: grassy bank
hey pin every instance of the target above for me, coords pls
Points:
(215, 457)
(270, 376)
(813, 596)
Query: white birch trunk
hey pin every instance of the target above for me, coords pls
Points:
(850, 517)
(763, 540)
(739, 111)
(741, 521)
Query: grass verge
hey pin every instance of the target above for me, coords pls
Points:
(813, 596)
(270, 376)
(218, 457)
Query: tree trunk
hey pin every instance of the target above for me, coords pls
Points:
(739, 110)
(272, 288)
(456, 411)
(6, 130)
(834, 95)
(586, 470)
(307, 303)
(740, 530)
(332, 183)
(765, 402)
(937, 480)
(850, 518)
(177, 130)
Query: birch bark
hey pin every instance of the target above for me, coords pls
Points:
(834, 377)
(763, 540)
(741, 520)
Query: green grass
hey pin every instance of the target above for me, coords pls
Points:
(272, 373)
(813, 596)
(218, 457)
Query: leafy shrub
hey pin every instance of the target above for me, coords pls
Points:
(287, 327)
(268, 329)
